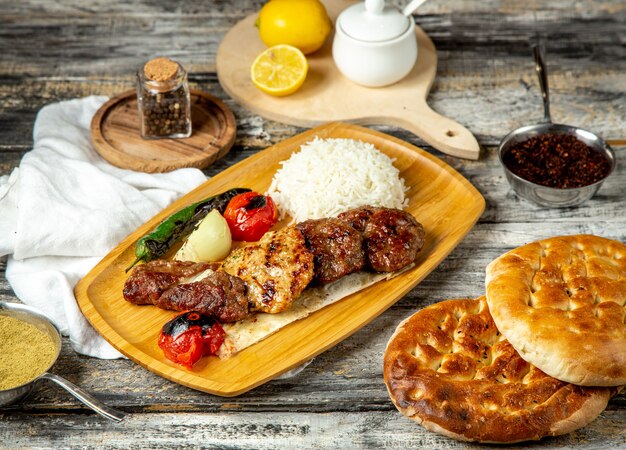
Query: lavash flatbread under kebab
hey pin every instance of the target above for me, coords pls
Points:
(247, 332)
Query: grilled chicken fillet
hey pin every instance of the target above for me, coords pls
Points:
(276, 269)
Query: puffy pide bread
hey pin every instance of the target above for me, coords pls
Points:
(561, 303)
(448, 368)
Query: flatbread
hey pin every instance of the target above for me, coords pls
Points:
(247, 332)
(448, 368)
(561, 303)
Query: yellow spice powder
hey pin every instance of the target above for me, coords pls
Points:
(25, 352)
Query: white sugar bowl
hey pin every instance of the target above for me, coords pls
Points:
(374, 45)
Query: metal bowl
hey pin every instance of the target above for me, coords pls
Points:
(9, 396)
(545, 195)
(42, 323)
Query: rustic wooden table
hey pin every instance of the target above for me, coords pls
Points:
(53, 51)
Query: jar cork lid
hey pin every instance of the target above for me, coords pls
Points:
(160, 69)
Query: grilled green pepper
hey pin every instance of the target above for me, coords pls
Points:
(156, 243)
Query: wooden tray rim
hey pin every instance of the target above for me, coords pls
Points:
(197, 382)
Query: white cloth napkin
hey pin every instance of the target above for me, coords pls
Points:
(65, 207)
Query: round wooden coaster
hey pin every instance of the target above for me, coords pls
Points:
(115, 135)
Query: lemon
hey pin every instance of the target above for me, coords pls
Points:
(279, 70)
(302, 23)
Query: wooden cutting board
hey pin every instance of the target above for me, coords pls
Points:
(328, 96)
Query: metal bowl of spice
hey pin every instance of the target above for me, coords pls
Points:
(553, 164)
(29, 346)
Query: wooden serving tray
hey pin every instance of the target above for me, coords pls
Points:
(116, 137)
(441, 199)
(327, 95)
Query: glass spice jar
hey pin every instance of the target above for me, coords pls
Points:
(163, 100)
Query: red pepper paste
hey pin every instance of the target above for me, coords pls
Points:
(556, 160)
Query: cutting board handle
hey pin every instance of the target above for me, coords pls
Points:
(444, 134)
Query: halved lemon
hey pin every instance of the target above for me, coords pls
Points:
(280, 70)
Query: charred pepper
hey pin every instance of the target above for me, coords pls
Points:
(156, 243)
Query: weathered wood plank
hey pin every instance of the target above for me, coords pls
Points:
(546, 9)
(485, 78)
(386, 429)
(346, 378)
(490, 105)
(258, 133)
(60, 50)
(463, 25)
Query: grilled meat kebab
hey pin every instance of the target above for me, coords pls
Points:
(149, 281)
(337, 248)
(171, 285)
(392, 237)
(270, 275)
(217, 294)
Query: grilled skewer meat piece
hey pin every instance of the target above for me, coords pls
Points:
(148, 281)
(357, 218)
(392, 237)
(270, 275)
(276, 269)
(171, 285)
(218, 294)
(336, 246)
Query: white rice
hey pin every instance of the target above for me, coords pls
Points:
(329, 176)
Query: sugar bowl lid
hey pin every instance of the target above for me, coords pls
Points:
(372, 21)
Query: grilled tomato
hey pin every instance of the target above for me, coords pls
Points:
(190, 336)
(250, 215)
